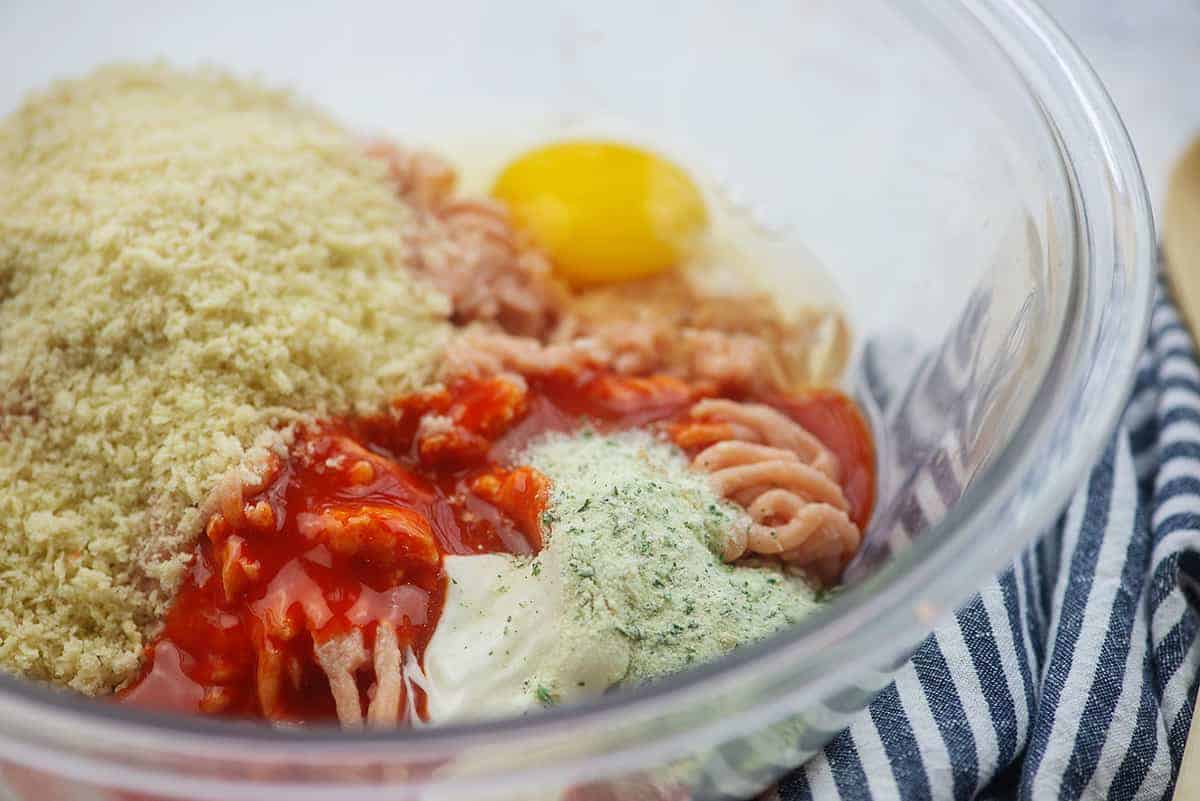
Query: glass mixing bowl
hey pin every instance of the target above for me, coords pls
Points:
(955, 165)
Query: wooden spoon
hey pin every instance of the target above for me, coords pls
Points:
(1181, 249)
(1181, 235)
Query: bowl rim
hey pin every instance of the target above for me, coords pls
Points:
(64, 720)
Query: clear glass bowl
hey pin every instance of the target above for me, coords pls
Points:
(954, 163)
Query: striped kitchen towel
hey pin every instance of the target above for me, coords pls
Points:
(1073, 674)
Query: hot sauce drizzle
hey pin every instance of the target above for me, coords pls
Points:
(349, 532)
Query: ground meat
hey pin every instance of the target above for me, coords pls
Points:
(468, 249)
(479, 352)
(520, 317)
(665, 324)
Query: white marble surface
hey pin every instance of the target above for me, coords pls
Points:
(1148, 54)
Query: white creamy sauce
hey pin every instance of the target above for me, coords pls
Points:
(499, 637)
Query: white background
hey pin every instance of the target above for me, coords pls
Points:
(1148, 54)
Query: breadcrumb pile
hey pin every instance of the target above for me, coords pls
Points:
(190, 267)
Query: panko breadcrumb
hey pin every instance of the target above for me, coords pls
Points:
(190, 266)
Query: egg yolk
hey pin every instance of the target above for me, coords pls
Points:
(603, 212)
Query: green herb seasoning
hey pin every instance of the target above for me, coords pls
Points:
(638, 536)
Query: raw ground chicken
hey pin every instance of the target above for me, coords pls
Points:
(522, 318)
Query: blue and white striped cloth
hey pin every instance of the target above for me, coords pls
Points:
(1072, 675)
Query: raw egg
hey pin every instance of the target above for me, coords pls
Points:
(603, 211)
